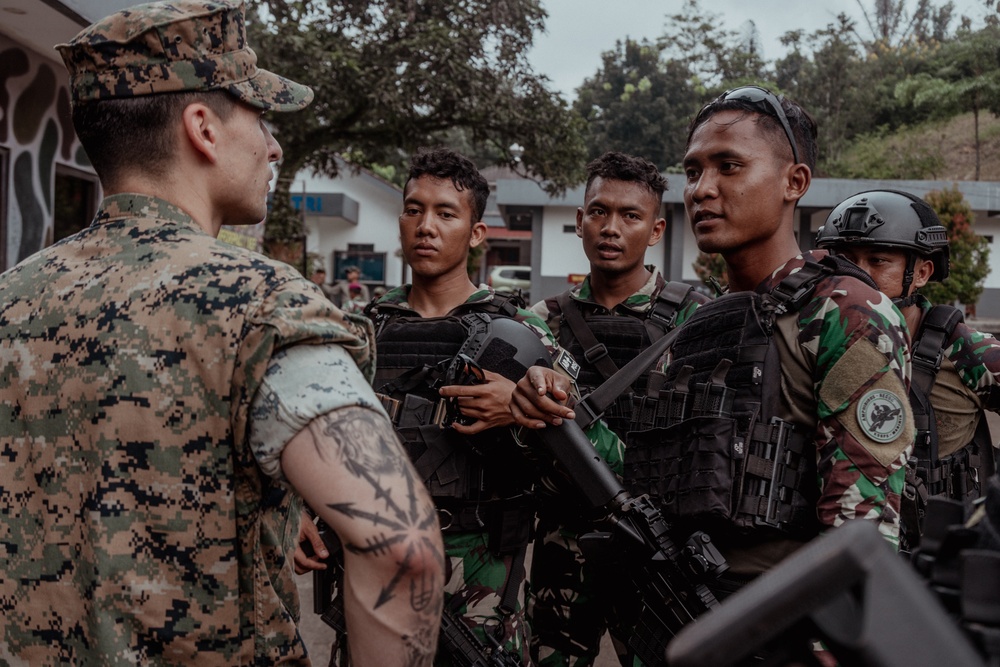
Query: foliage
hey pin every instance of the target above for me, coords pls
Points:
(390, 76)
(713, 55)
(709, 267)
(904, 154)
(965, 76)
(638, 104)
(475, 259)
(969, 252)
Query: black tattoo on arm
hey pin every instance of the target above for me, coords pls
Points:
(365, 444)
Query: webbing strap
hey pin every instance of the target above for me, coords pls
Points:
(928, 349)
(595, 352)
(590, 407)
(662, 316)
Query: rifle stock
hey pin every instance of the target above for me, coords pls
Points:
(670, 580)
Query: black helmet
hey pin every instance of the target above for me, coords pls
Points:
(893, 219)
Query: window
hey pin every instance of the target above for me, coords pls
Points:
(372, 264)
(75, 201)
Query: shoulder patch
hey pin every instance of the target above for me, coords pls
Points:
(881, 415)
(569, 365)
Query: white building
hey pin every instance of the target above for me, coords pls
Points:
(48, 189)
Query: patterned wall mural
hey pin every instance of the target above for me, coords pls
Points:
(35, 126)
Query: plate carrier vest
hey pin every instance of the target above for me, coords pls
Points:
(602, 344)
(476, 482)
(958, 476)
(707, 443)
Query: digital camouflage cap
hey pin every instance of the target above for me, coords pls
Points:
(167, 47)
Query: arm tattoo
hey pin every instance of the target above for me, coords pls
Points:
(365, 444)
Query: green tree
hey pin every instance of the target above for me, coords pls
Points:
(965, 76)
(713, 55)
(970, 252)
(907, 153)
(391, 76)
(710, 269)
(638, 104)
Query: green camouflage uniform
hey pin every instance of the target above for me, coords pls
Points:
(136, 524)
(476, 576)
(967, 384)
(845, 343)
(166, 47)
(570, 607)
(853, 341)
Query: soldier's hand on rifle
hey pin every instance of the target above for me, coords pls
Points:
(309, 559)
(539, 398)
(488, 404)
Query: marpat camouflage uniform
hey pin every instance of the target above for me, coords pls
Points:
(136, 525)
(571, 605)
(166, 47)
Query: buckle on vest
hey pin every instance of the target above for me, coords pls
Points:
(414, 410)
(392, 407)
(599, 351)
(774, 510)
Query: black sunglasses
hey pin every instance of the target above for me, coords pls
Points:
(757, 95)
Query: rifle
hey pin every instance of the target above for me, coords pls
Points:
(848, 588)
(670, 579)
(461, 644)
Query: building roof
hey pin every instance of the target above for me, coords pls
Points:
(41, 24)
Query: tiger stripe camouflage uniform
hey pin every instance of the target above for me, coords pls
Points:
(474, 573)
(572, 610)
(137, 526)
(846, 342)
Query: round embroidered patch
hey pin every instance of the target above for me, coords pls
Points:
(881, 415)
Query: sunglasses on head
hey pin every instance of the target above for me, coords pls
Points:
(772, 105)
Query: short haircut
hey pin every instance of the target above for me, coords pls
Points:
(138, 133)
(618, 166)
(444, 163)
(802, 124)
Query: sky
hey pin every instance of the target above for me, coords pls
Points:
(579, 31)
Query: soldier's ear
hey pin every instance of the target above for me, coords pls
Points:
(478, 234)
(200, 128)
(923, 269)
(798, 177)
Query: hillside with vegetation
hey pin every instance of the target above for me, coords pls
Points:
(938, 150)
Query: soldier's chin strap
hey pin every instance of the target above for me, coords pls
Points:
(906, 298)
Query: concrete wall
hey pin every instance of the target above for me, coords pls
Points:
(37, 136)
(379, 206)
(555, 253)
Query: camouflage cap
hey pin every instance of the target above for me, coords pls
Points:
(174, 46)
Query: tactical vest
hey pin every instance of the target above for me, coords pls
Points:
(602, 344)
(958, 476)
(708, 443)
(476, 481)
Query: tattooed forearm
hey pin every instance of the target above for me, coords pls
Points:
(349, 466)
(420, 648)
(365, 444)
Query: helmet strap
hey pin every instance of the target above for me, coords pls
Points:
(907, 299)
